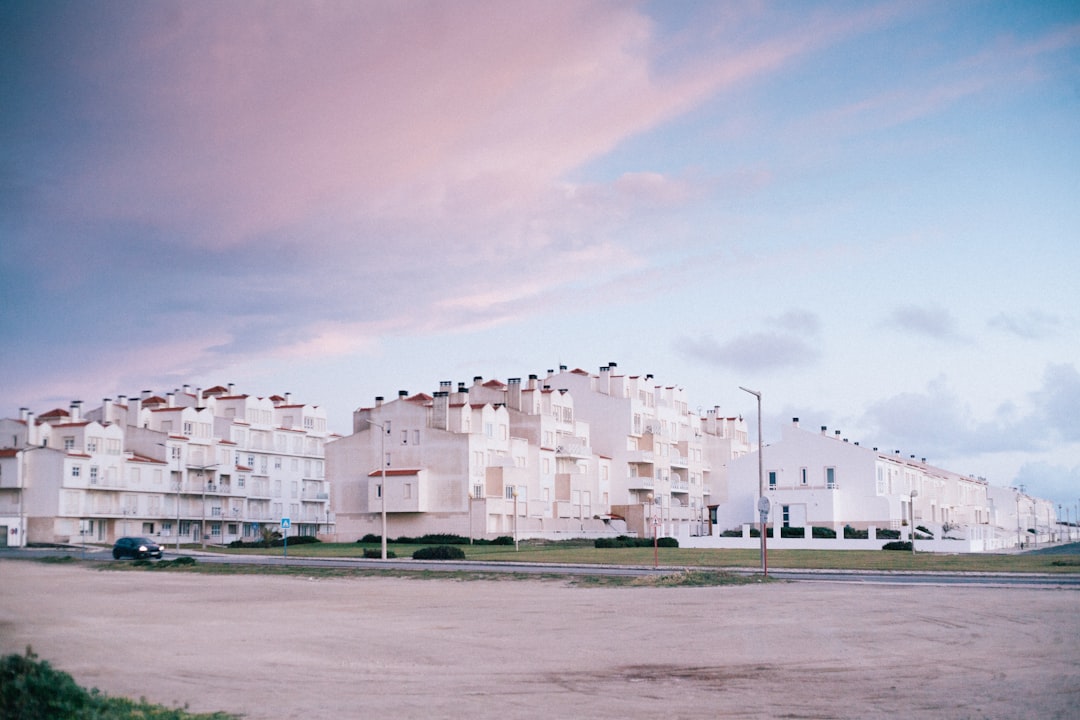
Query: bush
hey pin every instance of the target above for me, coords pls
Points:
(625, 541)
(376, 554)
(924, 531)
(897, 545)
(792, 532)
(851, 533)
(883, 534)
(439, 552)
(823, 533)
(755, 532)
(731, 533)
(32, 689)
(370, 539)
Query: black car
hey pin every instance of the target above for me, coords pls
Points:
(136, 547)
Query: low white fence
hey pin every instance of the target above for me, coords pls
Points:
(984, 542)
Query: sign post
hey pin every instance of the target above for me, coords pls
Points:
(763, 511)
(285, 525)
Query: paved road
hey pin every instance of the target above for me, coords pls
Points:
(1063, 581)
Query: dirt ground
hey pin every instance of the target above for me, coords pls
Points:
(287, 647)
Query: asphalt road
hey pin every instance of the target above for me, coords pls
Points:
(1030, 580)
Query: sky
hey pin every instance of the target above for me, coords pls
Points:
(867, 211)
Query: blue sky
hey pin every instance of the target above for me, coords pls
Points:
(868, 211)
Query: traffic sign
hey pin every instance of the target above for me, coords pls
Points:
(286, 523)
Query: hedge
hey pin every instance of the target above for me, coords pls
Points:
(439, 552)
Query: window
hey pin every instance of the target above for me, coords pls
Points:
(416, 437)
(277, 463)
(240, 480)
(69, 443)
(188, 428)
(772, 479)
(786, 514)
(76, 470)
(489, 429)
(830, 477)
(404, 437)
(802, 475)
(478, 491)
(509, 492)
(406, 491)
(378, 490)
(93, 474)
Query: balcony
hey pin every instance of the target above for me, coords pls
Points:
(680, 461)
(680, 486)
(573, 450)
(640, 482)
(641, 457)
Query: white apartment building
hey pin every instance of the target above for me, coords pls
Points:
(570, 454)
(191, 466)
(482, 461)
(822, 479)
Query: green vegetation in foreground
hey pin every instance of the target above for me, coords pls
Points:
(32, 689)
(582, 552)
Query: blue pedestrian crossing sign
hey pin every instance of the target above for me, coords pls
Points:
(286, 523)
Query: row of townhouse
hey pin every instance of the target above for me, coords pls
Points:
(822, 479)
(570, 454)
(192, 466)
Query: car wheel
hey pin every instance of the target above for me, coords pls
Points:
(116, 554)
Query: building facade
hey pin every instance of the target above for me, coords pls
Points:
(569, 454)
(821, 479)
(188, 466)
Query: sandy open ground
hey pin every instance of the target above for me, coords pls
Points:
(289, 647)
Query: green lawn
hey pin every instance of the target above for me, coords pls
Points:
(582, 552)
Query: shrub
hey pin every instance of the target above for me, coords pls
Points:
(924, 531)
(667, 542)
(370, 538)
(755, 532)
(897, 545)
(851, 533)
(32, 689)
(441, 539)
(731, 533)
(823, 532)
(376, 554)
(439, 552)
(792, 532)
(884, 534)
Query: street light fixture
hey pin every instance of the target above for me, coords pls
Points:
(382, 475)
(179, 485)
(763, 502)
(911, 510)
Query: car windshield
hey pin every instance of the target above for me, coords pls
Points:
(142, 541)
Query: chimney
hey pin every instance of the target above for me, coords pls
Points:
(795, 422)
(378, 400)
(476, 379)
(171, 397)
(187, 389)
(232, 386)
(823, 429)
(145, 394)
(402, 394)
(23, 412)
(837, 435)
(532, 382)
(76, 411)
(513, 393)
(440, 411)
(121, 399)
(562, 368)
(604, 385)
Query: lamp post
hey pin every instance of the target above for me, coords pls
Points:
(179, 475)
(911, 510)
(22, 490)
(202, 481)
(382, 476)
(763, 502)
(652, 522)
(515, 493)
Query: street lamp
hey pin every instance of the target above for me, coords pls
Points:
(202, 481)
(179, 476)
(515, 493)
(382, 475)
(22, 490)
(763, 502)
(652, 521)
(911, 510)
